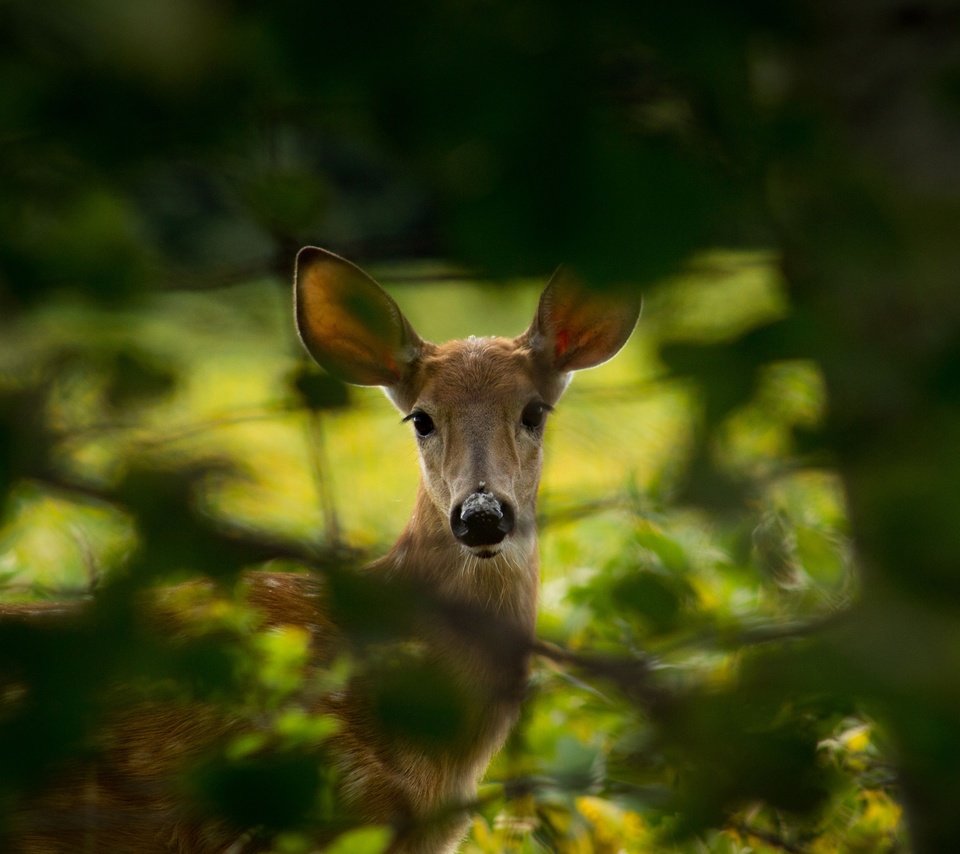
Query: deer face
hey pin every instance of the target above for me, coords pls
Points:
(477, 406)
(478, 417)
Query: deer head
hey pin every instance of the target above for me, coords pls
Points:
(477, 406)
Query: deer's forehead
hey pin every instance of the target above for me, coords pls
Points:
(478, 370)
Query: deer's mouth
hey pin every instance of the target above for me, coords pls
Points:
(486, 554)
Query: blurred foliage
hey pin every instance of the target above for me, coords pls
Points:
(750, 547)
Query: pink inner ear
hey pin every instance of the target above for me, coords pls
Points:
(561, 342)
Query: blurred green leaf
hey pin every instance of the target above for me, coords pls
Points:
(273, 791)
(416, 702)
(319, 391)
(651, 597)
(135, 380)
(366, 840)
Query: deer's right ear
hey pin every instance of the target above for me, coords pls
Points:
(349, 324)
(576, 328)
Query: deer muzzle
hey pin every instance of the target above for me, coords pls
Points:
(481, 520)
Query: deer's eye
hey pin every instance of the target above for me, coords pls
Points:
(533, 414)
(422, 422)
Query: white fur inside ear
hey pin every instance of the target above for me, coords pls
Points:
(391, 394)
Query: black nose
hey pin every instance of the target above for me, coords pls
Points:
(482, 520)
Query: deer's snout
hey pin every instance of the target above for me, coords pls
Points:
(481, 520)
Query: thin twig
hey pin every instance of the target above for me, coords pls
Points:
(756, 634)
(632, 675)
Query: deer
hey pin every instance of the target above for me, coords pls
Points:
(477, 408)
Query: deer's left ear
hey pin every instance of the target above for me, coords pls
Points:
(576, 328)
(349, 324)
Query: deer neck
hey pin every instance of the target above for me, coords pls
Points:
(504, 586)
